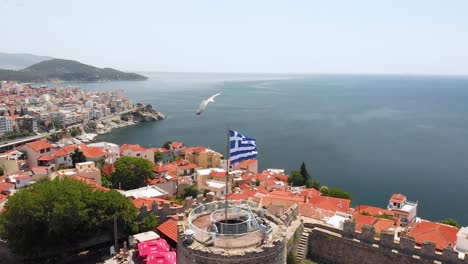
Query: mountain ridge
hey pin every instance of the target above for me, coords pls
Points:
(66, 70)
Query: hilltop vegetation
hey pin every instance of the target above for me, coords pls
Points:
(66, 70)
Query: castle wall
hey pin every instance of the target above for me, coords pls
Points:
(330, 245)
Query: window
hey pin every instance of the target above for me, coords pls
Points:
(138, 154)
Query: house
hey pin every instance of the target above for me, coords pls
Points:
(176, 147)
(7, 187)
(112, 150)
(185, 168)
(404, 210)
(462, 240)
(137, 151)
(12, 161)
(63, 156)
(168, 231)
(167, 155)
(441, 234)
(218, 187)
(93, 153)
(250, 165)
(146, 192)
(34, 150)
(20, 181)
(203, 157)
(86, 169)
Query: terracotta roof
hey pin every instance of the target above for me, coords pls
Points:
(244, 186)
(60, 152)
(383, 224)
(176, 144)
(38, 145)
(246, 163)
(372, 210)
(308, 210)
(36, 170)
(139, 202)
(133, 148)
(92, 152)
(70, 149)
(169, 229)
(199, 149)
(438, 233)
(162, 150)
(5, 186)
(91, 182)
(397, 198)
(362, 220)
(46, 158)
(239, 196)
(331, 203)
(218, 174)
(310, 192)
(188, 166)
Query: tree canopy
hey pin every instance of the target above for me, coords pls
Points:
(338, 193)
(305, 174)
(131, 172)
(451, 222)
(190, 191)
(77, 156)
(52, 217)
(296, 179)
(167, 145)
(158, 156)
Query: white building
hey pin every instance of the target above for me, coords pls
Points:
(113, 150)
(145, 192)
(462, 240)
(405, 210)
(5, 124)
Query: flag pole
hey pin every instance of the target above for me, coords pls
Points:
(227, 177)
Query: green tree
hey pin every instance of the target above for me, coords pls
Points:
(451, 222)
(305, 174)
(124, 118)
(324, 190)
(296, 179)
(52, 217)
(291, 257)
(190, 191)
(131, 172)
(149, 223)
(167, 145)
(54, 137)
(158, 156)
(316, 184)
(75, 132)
(105, 181)
(2, 171)
(365, 213)
(339, 193)
(77, 156)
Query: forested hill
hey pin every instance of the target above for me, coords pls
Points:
(66, 70)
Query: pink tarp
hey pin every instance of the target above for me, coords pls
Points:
(162, 258)
(147, 247)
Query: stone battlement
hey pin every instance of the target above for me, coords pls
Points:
(364, 241)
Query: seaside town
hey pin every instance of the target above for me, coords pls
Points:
(175, 188)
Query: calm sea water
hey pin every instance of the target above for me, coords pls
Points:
(370, 135)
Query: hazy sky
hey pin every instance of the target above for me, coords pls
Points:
(408, 36)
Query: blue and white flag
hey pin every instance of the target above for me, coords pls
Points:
(241, 147)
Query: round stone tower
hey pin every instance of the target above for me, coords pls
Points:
(241, 233)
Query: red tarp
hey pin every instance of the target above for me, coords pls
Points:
(162, 258)
(147, 247)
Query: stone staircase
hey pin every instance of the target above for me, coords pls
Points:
(302, 247)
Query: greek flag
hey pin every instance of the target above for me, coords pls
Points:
(241, 147)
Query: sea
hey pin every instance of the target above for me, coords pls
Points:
(371, 135)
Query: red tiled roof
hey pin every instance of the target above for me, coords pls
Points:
(188, 166)
(90, 182)
(244, 186)
(218, 174)
(383, 224)
(246, 163)
(38, 145)
(199, 149)
(308, 210)
(331, 203)
(5, 186)
(169, 229)
(261, 176)
(372, 210)
(133, 148)
(438, 233)
(139, 202)
(60, 152)
(70, 149)
(176, 144)
(310, 192)
(45, 158)
(397, 198)
(162, 150)
(362, 220)
(239, 196)
(36, 170)
(92, 152)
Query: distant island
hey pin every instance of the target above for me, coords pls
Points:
(66, 70)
